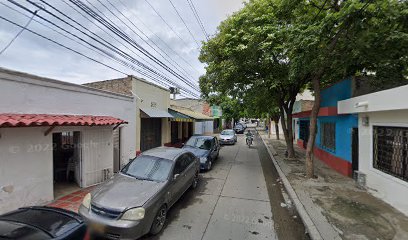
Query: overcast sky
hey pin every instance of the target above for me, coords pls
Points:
(32, 54)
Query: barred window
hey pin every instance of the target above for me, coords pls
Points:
(328, 136)
(391, 150)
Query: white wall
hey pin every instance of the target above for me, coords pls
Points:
(390, 189)
(391, 99)
(151, 96)
(26, 167)
(26, 174)
(21, 93)
(199, 127)
(208, 127)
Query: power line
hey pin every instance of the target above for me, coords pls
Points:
(129, 40)
(19, 33)
(113, 49)
(61, 45)
(178, 67)
(165, 22)
(113, 37)
(181, 18)
(158, 37)
(197, 17)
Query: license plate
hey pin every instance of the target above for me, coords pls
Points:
(97, 228)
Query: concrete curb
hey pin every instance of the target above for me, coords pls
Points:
(304, 215)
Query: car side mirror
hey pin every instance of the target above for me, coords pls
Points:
(176, 176)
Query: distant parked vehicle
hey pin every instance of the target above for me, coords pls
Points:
(136, 200)
(206, 148)
(239, 128)
(228, 136)
(31, 223)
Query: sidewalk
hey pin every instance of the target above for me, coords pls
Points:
(333, 203)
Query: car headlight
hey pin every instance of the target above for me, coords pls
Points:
(203, 159)
(134, 214)
(86, 202)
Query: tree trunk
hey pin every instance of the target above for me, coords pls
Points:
(275, 118)
(277, 130)
(287, 131)
(313, 129)
(290, 147)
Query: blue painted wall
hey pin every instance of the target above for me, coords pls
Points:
(344, 123)
(337, 92)
(344, 127)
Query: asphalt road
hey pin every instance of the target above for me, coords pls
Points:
(232, 201)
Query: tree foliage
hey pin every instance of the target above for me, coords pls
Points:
(266, 53)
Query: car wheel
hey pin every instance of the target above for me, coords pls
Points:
(209, 165)
(159, 221)
(196, 178)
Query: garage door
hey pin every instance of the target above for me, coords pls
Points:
(150, 133)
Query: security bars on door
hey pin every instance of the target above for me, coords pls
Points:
(391, 150)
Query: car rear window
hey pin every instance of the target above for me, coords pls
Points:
(52, 222)
(12, 230)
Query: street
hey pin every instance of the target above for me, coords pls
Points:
(233, 201)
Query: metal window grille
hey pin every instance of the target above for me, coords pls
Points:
(328, 136)
(391, 151)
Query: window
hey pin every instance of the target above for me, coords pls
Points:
(391, 151)
(148, 168)
(182, 163)
(328, 136)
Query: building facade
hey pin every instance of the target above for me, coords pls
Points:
(153, 123)
(336, 133)
(56, 136)
(383, 143)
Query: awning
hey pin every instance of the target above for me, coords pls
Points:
(155, 113)
(33, 120)
(192, 114)
(179, 117)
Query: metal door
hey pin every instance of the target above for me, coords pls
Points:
(150, 133)
(116, 150)
(78, 158)
(174, 132)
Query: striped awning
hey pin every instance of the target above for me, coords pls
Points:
(179, 117)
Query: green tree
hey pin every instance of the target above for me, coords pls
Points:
(331, 40)
(250, 52)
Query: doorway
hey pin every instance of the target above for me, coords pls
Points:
(150, 133)
(354, 149)
(116, 149)
(66, 162)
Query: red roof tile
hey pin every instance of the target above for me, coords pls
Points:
(32, 120)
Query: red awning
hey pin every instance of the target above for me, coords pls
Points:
(33, 120)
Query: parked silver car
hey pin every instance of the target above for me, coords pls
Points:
(228, 136)
(135, 201)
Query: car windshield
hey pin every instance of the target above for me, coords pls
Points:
(202, 143)
(148, 168)
(227, 132)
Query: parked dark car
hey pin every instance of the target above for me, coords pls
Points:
(135, 201)
(31, 223)
(206, 148)
(239, 128)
